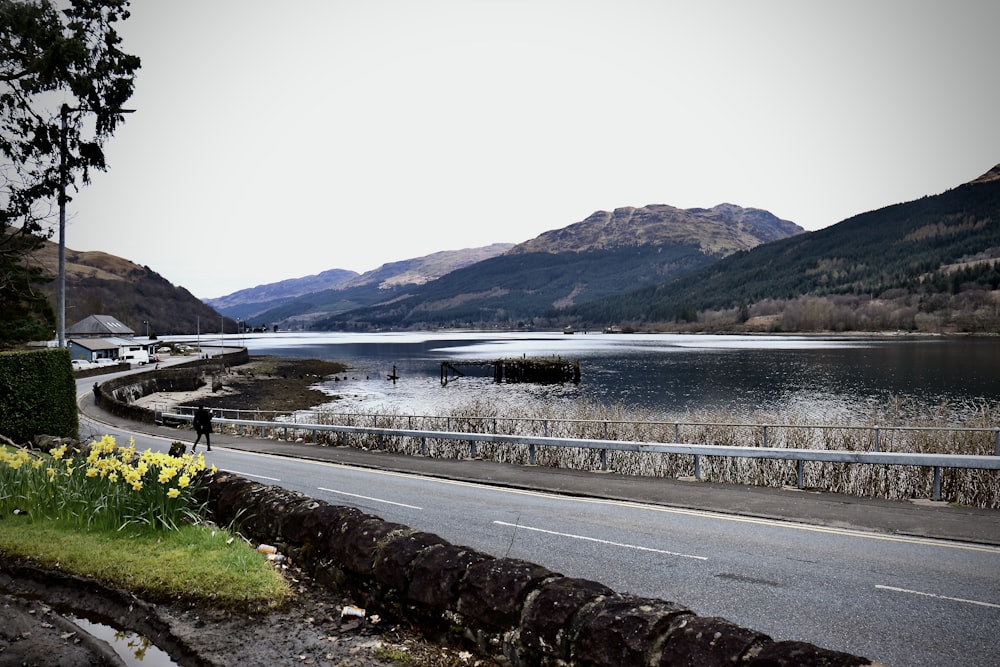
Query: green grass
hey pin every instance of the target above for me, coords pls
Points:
(196, 564)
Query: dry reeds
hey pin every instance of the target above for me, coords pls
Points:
(896, 428)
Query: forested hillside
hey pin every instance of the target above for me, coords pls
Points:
(929, 264)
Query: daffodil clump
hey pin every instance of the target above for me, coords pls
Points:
(105, 486)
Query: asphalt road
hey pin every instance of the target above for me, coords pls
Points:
(900, 583)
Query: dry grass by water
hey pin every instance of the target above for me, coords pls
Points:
(948, 431)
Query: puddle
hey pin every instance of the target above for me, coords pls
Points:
(134, 649)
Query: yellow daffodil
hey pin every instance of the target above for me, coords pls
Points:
(173, 493)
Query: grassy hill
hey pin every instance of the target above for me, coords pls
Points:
(101, 284)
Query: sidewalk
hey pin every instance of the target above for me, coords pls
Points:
(922, 518)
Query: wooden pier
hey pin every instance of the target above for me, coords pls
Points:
(541, 370)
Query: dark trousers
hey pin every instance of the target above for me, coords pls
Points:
(208, 439)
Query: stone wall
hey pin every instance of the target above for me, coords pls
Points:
(513, 610)
(118, 394)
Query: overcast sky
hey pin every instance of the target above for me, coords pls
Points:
(275, 140)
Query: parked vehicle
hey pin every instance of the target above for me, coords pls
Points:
(82, 364)
(140, 357)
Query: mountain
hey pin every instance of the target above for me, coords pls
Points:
(101, 284)
(290, 305)
(272, 293)
(927, 264)
(535, 282)
(718, 231)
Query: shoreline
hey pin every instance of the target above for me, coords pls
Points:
(266, 383)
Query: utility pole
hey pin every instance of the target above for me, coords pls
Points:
(61, 307)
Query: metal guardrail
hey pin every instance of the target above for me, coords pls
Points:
(800, 456)
(878, 431)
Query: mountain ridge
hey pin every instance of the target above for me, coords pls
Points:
(657, 224)
(603, 254)
(652, 264)
(299, 308)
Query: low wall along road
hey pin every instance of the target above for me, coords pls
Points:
(508, 608)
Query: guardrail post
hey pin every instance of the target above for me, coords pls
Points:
(545, 430)
(996, 442)
(604, 459)
(472, 448)
(262, 434)
(878, 443)
(937, 483)
(764, 430)
(531, 454)
(798, 472)
(605, 433)
(380, 446)
(677, 432)
(697, 467)
(285, 430)
(423, 446)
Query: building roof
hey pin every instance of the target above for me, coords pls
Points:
(95, 344)
(99, 325)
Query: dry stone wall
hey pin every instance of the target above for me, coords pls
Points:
(513, 610)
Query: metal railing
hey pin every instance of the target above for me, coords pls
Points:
(603, 446)
(544, 425)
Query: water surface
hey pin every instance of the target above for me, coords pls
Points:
(669, 375)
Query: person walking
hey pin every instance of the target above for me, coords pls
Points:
(203, 427)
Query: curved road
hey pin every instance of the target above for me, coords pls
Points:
(895, 599)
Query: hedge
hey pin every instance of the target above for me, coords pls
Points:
(37, 395)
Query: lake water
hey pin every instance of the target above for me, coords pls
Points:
(666, 375)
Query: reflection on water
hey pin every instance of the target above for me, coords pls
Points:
(133, 649)
(667, 375)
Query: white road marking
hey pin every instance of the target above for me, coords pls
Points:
(374, 500)
(718, 516)
(521, 526)
(246, 474)
(938, 597)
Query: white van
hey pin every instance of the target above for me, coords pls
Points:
(140, 357)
